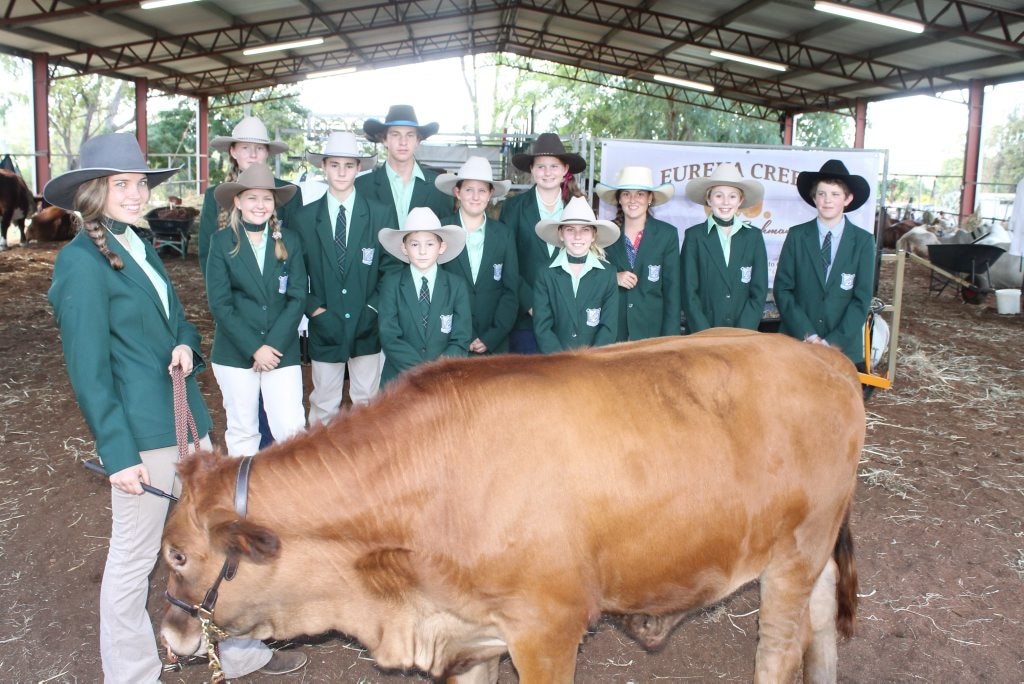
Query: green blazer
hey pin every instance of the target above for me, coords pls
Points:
(376, 186)
(716, 295)
(520, 213)
(494, 297)
(406, 343)
(590, 318)
(651, 308)
(349, 325)
(208, 218)
(247, 306)
(834, 310)
(117, 346)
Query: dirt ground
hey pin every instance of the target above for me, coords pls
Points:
(937, 519)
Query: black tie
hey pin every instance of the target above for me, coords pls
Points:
(826, 252)
(340, 241)
(424, 301)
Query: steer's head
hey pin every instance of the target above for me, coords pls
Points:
(201, 532)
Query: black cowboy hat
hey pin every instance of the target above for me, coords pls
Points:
(834, 169)
(398, 115)
(549, 145)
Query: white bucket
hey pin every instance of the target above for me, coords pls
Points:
(1008, 301)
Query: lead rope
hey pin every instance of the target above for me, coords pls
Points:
(184, 422)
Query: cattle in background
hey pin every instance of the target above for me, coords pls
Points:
(916, 241)
(51, 224)
(16, 204)
(488, 505)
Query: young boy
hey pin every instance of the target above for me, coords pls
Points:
(825, 276)
(424, 311)
(724, 262)
(576, 299)
(400, 183)
(339, 234)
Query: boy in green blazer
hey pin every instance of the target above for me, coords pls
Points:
(400, 183)
(424, 311)
(489, 263)
(343, 259)
(646, 257)
(576, 299)
(724, 262)
(826, 272)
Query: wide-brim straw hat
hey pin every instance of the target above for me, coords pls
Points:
(422, 218)
(104, 155)
(834, 169)
(343, 145)
(725, 174)
(636, 178)
(578, 213)
(474, 168)
(549, 145)
(256, 177)
(250, 130)
(398, 115)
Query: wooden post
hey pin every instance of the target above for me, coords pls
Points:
(203, 143)
(141, 129)
(41, 118)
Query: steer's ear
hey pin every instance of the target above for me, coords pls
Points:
(236, 535)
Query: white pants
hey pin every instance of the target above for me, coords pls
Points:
(329, 384)
(128, 646)
(282, 400)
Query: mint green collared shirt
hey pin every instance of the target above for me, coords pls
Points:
(474, 245)
(562, 261)
(723, 239)
(418, 275)
(553, 215)
(402, 191)
(259, 252)
(137, 251)
(332, 211)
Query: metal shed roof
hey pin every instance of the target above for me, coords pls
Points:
(196, 49)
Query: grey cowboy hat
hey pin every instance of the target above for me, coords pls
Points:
(423, 219)
(834, 169)
(104, 155)
(249, 130)
(549, 145)
(257, 176)
(398, 115)
(343, 145)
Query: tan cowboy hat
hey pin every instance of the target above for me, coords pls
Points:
(342, 144)
(725, 174)
(578, 213)
(636, 178)
(474, 168)
(398, 115)
(257, 176)
(549, 145)
(104, 155)
(834, 169)
(250, 130)
(422, 218)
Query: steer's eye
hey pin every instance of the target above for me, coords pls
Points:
(176, 558)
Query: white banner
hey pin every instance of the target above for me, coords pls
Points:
(775, 167)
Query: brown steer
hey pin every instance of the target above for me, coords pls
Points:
(484, 506)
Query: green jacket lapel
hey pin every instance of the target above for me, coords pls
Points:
(812, 250)
(409, 291)
(133, 272)
(844, 256)
(712, 247)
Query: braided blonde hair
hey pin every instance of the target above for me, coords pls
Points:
(90, 200)
(235, 223)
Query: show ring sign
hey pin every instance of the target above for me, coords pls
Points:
(776, 168)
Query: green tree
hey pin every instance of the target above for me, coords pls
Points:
(1006, 147)
(823, 129)
(82, 107)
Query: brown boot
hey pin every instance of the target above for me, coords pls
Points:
(283, 662)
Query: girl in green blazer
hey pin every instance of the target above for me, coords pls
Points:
(489, 264)
(553, 170)
(248, 144)
(576, 301)
(646, 257)
(424, 310)
(724, 260)
(257, 294)
(122, 329)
